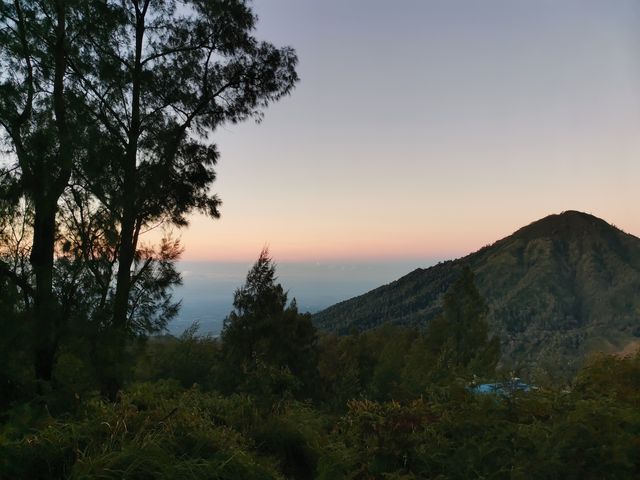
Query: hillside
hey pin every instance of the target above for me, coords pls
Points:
(557, 289)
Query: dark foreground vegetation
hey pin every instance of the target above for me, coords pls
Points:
(272, 398)
(163, 430)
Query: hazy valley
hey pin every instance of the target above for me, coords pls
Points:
(207, 288)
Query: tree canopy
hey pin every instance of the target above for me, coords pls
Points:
(109, 130)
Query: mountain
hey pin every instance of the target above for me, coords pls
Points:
(558, 289)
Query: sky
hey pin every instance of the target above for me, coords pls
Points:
(426, 129)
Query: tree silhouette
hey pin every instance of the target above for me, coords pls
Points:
(160, 77)
(142, 89)
(263, 330)
(38, 113)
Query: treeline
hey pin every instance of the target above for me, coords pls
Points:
(268, 347)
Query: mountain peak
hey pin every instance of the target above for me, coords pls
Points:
(568, 224)
(557, 289)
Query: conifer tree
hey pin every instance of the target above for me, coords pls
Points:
(459, 339)
(263, 330)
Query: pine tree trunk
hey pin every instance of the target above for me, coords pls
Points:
(46, 191)
(45, 312)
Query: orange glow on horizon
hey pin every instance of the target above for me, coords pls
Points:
(207, 240)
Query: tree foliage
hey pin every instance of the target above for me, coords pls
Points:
(264, 332)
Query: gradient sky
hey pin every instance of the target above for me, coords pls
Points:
(429, 128)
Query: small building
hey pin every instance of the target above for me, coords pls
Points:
(501, 388)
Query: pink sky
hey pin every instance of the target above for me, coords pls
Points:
(431, 129)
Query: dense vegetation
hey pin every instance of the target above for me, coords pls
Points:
(161, 429)
(557, 290)
(272, 398)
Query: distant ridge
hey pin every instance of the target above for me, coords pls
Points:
(557, 289)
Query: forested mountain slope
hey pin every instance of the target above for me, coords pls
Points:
(557, 289)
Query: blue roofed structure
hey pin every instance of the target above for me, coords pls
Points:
(501, 388)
